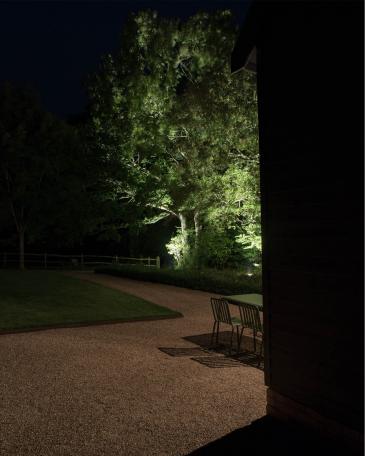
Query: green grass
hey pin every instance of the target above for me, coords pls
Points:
(33, 299)
(226, 282)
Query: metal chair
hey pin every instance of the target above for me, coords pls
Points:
(250, 316)
(222, 314)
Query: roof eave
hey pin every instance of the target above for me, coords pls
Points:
(244, 53)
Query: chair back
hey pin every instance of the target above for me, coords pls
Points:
(221, 310)
(250, 316)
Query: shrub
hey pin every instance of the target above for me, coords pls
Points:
(179, 249)
(215, 248)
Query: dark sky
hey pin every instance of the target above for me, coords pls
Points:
(53, 45)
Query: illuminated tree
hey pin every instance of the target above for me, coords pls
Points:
(172, 119)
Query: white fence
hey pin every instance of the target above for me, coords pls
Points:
(80, 261)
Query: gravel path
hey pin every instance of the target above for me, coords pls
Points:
(111, 390)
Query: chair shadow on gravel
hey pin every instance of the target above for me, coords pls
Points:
(184, 351)
(245, 357)
(268, 436)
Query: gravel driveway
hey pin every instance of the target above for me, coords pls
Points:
(142, 388)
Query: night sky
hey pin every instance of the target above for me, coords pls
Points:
(54, 45)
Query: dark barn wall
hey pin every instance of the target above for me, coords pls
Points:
(310, 90)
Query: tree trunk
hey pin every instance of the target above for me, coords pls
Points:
(184, 229)
(198, 228)
(184, 225)
(21, 248)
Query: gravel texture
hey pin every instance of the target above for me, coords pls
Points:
(111, 390)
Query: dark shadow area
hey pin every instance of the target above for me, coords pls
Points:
(184, 351)
(247, 356)
(219, 361)
(210, 358)
(270, 436)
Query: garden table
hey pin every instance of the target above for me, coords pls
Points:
(254, 299)
(250, 317)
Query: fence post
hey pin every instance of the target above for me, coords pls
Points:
(116, 259)
(45, 261)
(149, 261)
(82, 261)
(4, 260)
(158, 262)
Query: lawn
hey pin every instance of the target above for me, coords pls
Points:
(33, 299)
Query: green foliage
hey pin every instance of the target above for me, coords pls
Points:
(215, 248)
(179, 248)
(180, 134)
(238, 215)
(222, 282)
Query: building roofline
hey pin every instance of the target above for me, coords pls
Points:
(244, 52)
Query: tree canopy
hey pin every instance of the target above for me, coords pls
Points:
(181, 134)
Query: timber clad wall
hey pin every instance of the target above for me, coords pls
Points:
(310, 90)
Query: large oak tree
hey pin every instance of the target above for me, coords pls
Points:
(174, 121)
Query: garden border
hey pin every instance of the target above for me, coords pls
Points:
(86, 324)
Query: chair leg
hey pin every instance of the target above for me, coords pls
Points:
(254, 341)
(230, 346)
(239, 339)
(213, 333)
(216, 340)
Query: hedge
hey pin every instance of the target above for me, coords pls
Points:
(220, 282)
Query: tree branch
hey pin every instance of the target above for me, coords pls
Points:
(165, 209)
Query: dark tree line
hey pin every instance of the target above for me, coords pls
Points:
(49, 178)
